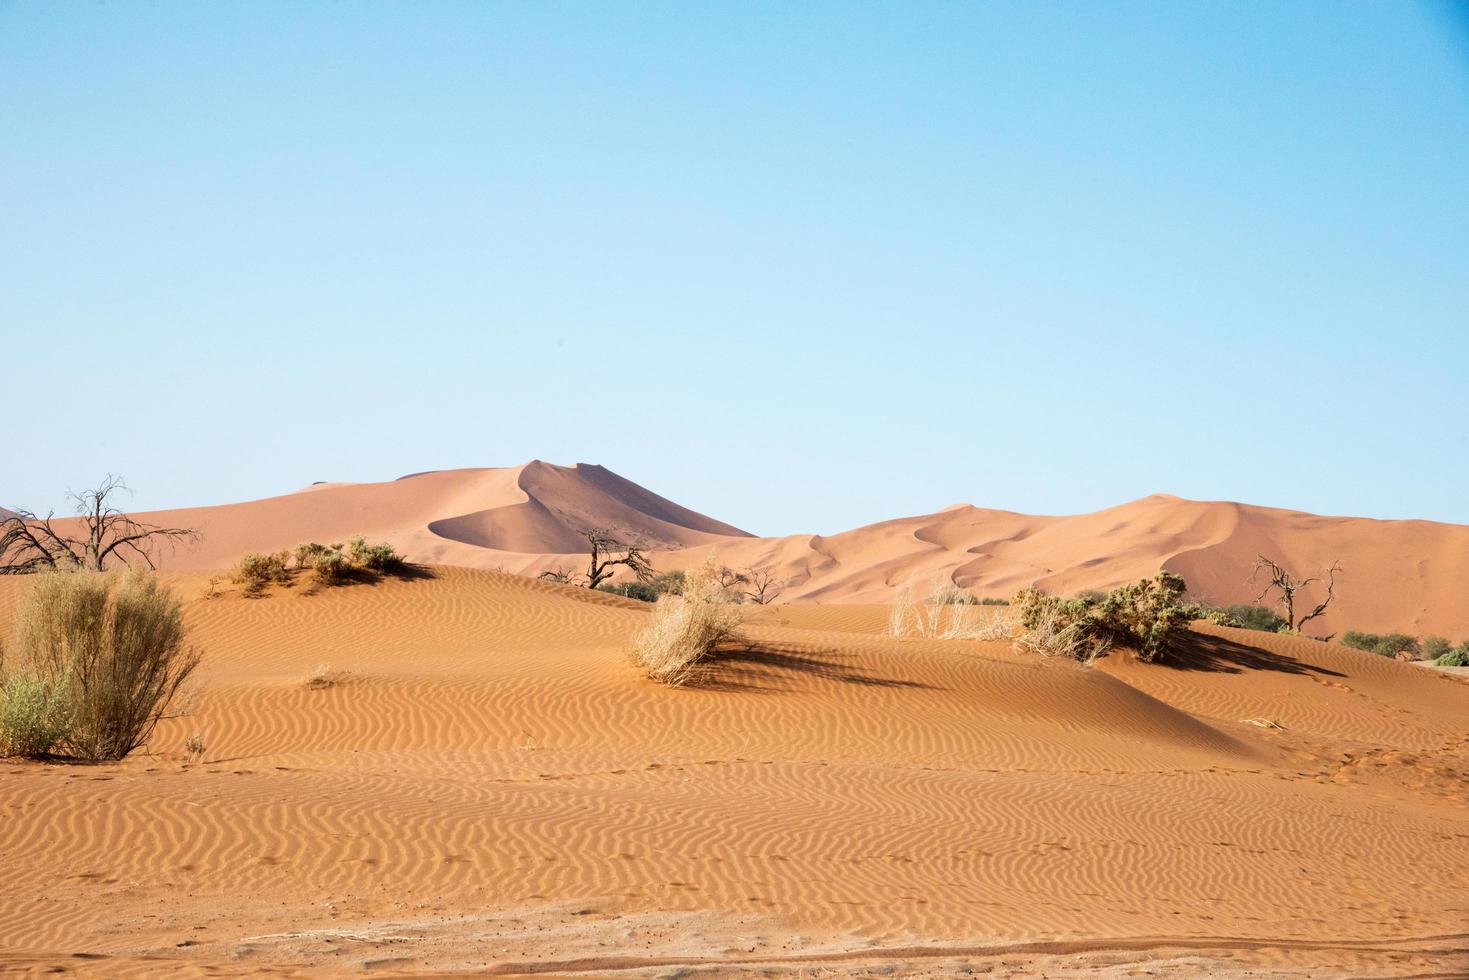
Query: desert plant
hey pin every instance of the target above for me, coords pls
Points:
(1288, 585)
(117, 648)
(322, 677)
(1433, 647)
(764, 586)
(686, 629)
(966, 622)
(668, 583)
(330, 566)
(194, 746)
(1054, 626)
(34, 714)
(1399, 646)
(1250, 617)
(990, 600)
(379, 557)
(608, 552)
(29, 543)
(1149, 616)
(305, 553)
(1458, 657)
(255, 571)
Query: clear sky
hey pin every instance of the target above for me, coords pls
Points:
(799, 266)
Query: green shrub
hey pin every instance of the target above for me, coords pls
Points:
(1255, 618)
(1458, 657)
(1390, 645)
(255, 571)
(1148, 616)
(330, 566)
(1433, 647)
(306, 553)
(113, 649)
(668, 583)
(374, 557)
(992, 601)
(34, 714)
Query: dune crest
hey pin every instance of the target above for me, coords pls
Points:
(1409, 576)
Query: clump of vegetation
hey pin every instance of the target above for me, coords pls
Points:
(380, 558)
(1433, 647)
(102, 661)
(1458, 657)
(323, 677)
(668, 583)
(194, 746)
(1149, 616)
(34, 714)
(948, 613)
(1250, 617)
(990, 600)
(255, 571)
(1398, 646)
(329, 566)
(687, 628)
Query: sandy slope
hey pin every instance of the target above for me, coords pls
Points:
(1411, 576)
(491, 785)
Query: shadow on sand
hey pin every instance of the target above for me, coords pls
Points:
(770, 668)
(1216, 654)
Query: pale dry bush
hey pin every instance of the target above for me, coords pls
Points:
(686, 629)
(194, 746)
(323, 677)
(117, 648)
(949, 613)
(1052, 633)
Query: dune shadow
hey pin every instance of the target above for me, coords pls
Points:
(770, 668)
(1217, 654)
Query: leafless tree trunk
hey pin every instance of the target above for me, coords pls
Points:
(728, 578)
(33, 544)
(608, 552)
(1288, 586)
(765, 587)
(558, 575)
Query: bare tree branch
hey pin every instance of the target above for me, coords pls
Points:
(32, 544)
(604, 546)
(1281, 580)
(765, 587)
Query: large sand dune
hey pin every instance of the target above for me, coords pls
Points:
(1411, 576)
(491, 786)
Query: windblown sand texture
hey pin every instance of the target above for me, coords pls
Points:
(487, 784)
(1408, 576)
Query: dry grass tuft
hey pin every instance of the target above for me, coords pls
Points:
(194, 747)
(949, 613)
(323, 677)
(686, 629)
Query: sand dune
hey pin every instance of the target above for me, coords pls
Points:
(1411, 576)
(490, 785)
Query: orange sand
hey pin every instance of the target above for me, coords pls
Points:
(491, 786)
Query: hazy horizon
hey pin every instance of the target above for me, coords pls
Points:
(799, 269)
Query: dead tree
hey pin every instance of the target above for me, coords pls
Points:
(765, 587)
(729, 578)
(558, 575)
(608, 552)
(33, 544)
(1288, 586)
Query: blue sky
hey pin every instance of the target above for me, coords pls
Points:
(798, 266)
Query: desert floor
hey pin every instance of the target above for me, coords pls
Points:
(490, 786)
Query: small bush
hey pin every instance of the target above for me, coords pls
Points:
(1255, 618)
(1455, 658)
(1433, 647)
(194, 746)
(255, 571)
(305, 554)
(379, 558)
(686, 629)
(115, 647)
(668, 583)
(952, 595)
(330, 566)
(1149, 616)
(34, 714)
(993, 601)
(1394, 645)
(323, 677)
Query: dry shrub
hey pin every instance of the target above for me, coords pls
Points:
(194, 747)
(256, 571)
(116, 647)
(686, 629)
(949, 613)
(1058, 628)
(34, 715)
(323, 677)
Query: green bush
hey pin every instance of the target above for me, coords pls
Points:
(111, 651)
(1458, 657)
(668, 583)
(379, 558)
(34, 714)
(1389, 645)
(330, 566)
(1148, 616)
(992, 601)
(1255, 618)
(255, 571)
(1433, 647)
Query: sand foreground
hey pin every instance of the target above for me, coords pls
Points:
(489, 786)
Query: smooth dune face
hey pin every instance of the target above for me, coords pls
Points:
(1408, 576)
(490, 784)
